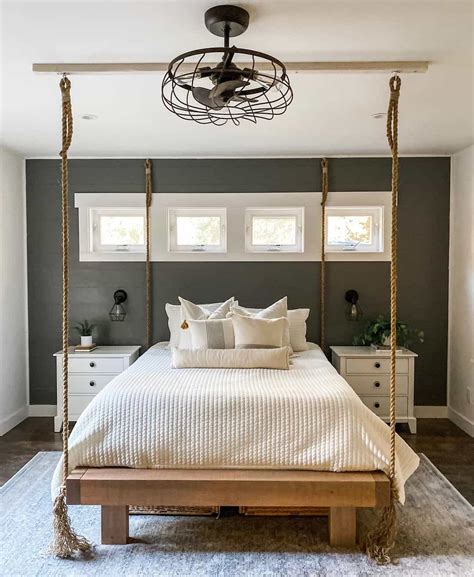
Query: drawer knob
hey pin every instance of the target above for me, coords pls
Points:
(377, 405)
(376, 384)
(92, 383)
(92, 364)
(377, 365)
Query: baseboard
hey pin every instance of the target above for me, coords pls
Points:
(42, 411)
(13, 420)
(461, 421)
(431, 412)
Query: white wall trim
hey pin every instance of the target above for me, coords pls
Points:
(315, 156)
(27, 335)
(235, 205)
(431, 412)
(461, 421)
(42, 411)
(13, 420)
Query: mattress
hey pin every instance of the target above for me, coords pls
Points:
(308, 418)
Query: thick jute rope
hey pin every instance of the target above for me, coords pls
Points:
(322, 292)
(65, 542)
(148, 274)
(382, 538)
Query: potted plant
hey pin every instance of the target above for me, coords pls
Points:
(85, 330)
(377, 334)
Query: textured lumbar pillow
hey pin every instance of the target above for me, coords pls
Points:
(174, 320)
(212, 334)
(231, 359)
(275, 311)
(252, 333)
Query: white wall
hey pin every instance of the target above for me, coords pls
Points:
(13, 315)
(461, 293)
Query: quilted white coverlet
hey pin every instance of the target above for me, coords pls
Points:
(154, 416)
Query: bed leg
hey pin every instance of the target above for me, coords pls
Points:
(342, 526)
(114, 524)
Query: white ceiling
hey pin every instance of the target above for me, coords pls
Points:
(331, 114)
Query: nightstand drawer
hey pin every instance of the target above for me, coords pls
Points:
(377, 384)
(77, 403)
(96, 365)
(88, 384)
(381, 405)
(374, 366)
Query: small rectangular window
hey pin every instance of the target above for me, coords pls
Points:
(197, 229)
(274, 229)
(358, 229)
(117, 229)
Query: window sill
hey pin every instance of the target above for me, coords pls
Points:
(112, 256)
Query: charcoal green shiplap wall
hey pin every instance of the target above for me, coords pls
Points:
(423, 256)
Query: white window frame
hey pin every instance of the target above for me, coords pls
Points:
(175, 212)
(377, 214)
(94, 229)
(235, 204)
(296, 212)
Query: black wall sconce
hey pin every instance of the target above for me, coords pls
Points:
(117, 312)
(353, 310)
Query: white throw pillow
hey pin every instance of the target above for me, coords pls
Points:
(278, 359)
(191, 311)
(297, 320)
(275, 311)
(211, 334)
(174, 320)
(253, 333)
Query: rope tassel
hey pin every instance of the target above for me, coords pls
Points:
(65, 542)
(381, 539)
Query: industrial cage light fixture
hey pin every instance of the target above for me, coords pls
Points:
(196, 88)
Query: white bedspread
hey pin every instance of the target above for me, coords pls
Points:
(154, 416)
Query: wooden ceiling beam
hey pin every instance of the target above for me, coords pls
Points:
(341, 67)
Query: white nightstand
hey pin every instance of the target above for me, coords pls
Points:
(368, 373)
(88, 375)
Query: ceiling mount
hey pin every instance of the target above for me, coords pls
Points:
(226, 20)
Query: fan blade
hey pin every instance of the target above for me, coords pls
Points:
(225, 91)
(203, 96)
(206, 71)
(261, 79)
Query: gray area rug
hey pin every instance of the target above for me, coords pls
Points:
(436, 537)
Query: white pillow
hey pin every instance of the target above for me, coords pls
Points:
(297, 319)
(174, 320)
(191, 311)
(275, 311)
(228, 359)
(211, 334)
(252, 333)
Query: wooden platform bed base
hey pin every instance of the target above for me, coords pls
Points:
(115, 489)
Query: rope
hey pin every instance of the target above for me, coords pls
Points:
(148, 275)
(382, 539)
(66, 542)
(322, 292)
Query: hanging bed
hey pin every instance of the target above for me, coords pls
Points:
(231, 437)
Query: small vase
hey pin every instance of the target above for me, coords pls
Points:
(86, 341)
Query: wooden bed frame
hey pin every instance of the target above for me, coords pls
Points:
(115, 489)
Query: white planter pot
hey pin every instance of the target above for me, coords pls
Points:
(86, 341)
(386, 341)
